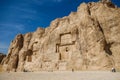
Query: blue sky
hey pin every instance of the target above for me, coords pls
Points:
(22, 16)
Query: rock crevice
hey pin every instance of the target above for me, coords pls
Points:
(84, 40)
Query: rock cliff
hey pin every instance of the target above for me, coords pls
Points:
(2, 56)
(88, 39)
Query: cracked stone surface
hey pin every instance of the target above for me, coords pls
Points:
(88, 39)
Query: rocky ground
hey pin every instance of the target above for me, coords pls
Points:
(83, 75)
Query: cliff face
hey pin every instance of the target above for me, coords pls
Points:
(88, 39)
(2, 56)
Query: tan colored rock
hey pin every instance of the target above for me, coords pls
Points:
(11, 61)
(85, 40)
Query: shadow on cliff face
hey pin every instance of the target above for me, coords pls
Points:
(2, 56)
(107, 48)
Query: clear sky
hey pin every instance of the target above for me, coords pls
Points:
(22, 16)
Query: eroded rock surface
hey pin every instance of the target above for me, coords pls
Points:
(88, 39)
(2, 56)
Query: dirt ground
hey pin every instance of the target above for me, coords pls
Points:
(65, 75)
